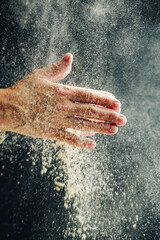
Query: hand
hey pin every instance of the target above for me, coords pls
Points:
(37, 106)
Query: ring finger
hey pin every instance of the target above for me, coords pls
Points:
(91, 126)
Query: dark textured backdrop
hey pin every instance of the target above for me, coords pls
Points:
(116, 47)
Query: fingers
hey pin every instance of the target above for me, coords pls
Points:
(59, 70)
(94, 112)
(94, 97)
(87, 125)
(72, 139)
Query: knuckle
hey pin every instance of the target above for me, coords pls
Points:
(56, 89)
(111, 117)
(76, 109)
(62, 90)
(61, 107)
(76, 91)
(54, 66)
(89, 95)
(91, 110)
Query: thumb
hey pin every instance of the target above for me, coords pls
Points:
(59, 70)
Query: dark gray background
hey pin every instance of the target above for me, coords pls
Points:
(116, 47)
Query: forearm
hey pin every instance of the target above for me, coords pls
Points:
(2, 108)
(2, 115)
(6, 110)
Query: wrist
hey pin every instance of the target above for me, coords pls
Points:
(4, 123)
(11, 110)
(2, 114)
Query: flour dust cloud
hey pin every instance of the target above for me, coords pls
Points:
(113, 191)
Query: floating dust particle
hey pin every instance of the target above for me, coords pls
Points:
(57, 189)
(84, 237)
(33, 163)
(43, 171)
(59, 184)
(136, 217)
(57, 178)
(134, 226)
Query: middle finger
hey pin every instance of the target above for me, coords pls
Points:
(97, 113)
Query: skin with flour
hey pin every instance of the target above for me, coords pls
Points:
(40, 107)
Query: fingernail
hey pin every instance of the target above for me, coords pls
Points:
(116, 104)
(113, 129)
(122, 120)
(66, 57)
(91, 144)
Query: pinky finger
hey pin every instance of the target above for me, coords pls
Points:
(74, 140)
